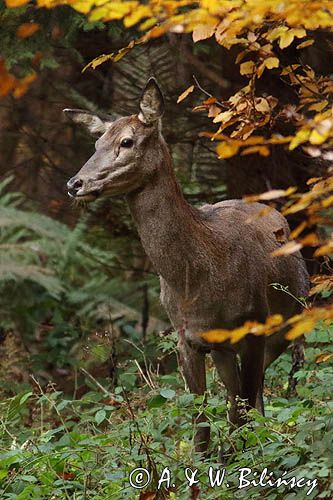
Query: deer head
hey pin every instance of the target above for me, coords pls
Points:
(126, 152)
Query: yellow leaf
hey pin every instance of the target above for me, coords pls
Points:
(216, 336)
(27, 29)
(323, 357)
(310, 240)
(320, 283)
(317, 138)
(185, 94)
(286, 39)
(98, 60)
(262, 105)
(136, 15)
(227, 149)
(270, 195)
(324, 250)
(240, 56)
(318, 106)
(223, 117)
(279, 139)
(299, 229)
(327, 202)
(148, 23)
(313, 180)
(16, 3)
(289, 69)
(202, 32)
(238, 333)
(111, 57)
(307, 43)
(301, 137)
(262, 150)
(299, 32)
(156, 32)
(303, 326)
(287, 249)
(246, 68)
(275, 33)
(80, 5)
(213, 111)
(122, 52)
(271, 62)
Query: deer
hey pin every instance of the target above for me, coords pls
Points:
(215, 262)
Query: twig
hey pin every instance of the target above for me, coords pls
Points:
(107, 393)
(217, 103)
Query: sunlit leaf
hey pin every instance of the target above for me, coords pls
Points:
(262, 105)
(321, 283)
(287, 249)
(185, 94)
(300, 137)
(137, 15)
(262, 150)
(271, 62)
(202, 32)
(324, 357)
(303, 326)
(305, 44)
(287, 38)
(227, 149)
(247, 68)
(16, 3)
(270, 195)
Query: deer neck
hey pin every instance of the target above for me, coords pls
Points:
(169, 228)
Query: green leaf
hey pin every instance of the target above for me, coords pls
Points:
(167, 393)
(100, 416)
(25, 397)
(29, 479)
(156, 401)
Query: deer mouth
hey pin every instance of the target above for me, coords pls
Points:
(86, 197)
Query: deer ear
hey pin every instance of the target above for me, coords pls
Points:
(151, 103)
(93, 123)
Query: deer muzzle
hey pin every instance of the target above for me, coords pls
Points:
(76, 189)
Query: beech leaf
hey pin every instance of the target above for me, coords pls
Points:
(185, 94)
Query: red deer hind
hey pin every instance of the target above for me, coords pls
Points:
(214, 263)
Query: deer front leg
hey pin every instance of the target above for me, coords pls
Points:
(192, 365)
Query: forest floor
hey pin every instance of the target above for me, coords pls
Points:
(55, 444)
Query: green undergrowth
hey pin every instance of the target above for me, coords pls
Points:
(55, 446)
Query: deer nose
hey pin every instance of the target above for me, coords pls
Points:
(73, 185)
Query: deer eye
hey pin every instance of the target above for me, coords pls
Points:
(127, 143)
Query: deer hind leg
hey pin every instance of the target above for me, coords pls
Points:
(252, 371)
(260, 397)
(275, 346)
(227, 367)
(192, 365)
